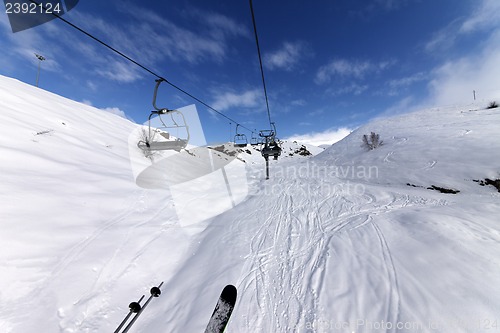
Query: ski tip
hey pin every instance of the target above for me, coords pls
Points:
(229, 293)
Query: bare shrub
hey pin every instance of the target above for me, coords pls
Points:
(145, 135)
(145, 139)
(492, 105)
(372, 141)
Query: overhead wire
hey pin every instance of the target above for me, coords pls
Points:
(139, 64)
(260, 62)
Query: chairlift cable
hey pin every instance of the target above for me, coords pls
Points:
(260, 62)
(136, 63)
(270, 146)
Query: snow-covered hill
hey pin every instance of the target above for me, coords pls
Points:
(447, 147)
(349, 240)
(289, 150)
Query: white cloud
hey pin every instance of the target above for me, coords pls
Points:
(227, 100)
(406, 81)
(346, 68)
(142, 37)
(60, 49)
(24, 45)
(316, 112)
(396, 86)
(454, 81)
(222, 26)
(120, 72)
(91, 85)
(327, 137)
(486, 16)
(353, 88)
(141, 40)
(115, 110)
(181, 42)
(342, 67)
(443, 39)
(286, 58)
(298, 102)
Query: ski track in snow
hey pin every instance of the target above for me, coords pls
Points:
(393, 301)
(292, 246)
(108, 273)
(94, 299)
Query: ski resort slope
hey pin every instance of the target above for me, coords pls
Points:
(342, 243)
(349, 240)
(75, 226)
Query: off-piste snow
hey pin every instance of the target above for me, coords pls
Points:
(345, 240)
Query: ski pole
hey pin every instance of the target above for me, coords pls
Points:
(134, 308)
(155, 292)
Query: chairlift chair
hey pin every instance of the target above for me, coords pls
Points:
(159, 138)
(270, 145)
(271, 148)
(240, 139)
(254, 141)
(266, 133)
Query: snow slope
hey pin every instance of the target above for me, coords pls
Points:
(74, 223)
(338, 242)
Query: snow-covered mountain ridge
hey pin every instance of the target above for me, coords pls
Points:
(337, 242)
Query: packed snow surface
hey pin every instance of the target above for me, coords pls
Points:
(349, 240)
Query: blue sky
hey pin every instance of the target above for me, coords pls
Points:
(330, 66)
